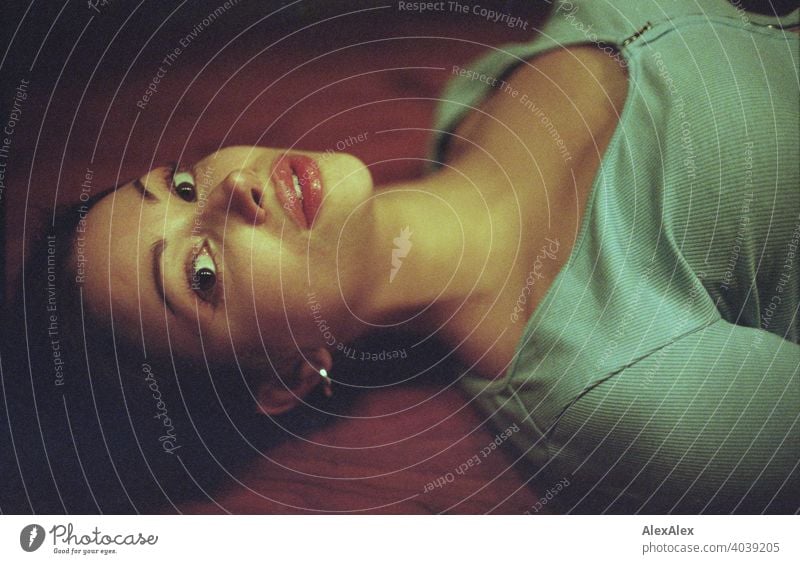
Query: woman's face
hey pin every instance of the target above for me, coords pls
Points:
(217, 260)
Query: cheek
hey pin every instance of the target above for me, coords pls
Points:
(270, 286)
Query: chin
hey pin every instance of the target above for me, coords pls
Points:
(348, 185)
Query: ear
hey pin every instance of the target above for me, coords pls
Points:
(279, 397)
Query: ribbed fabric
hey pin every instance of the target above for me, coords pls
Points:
(660, 371)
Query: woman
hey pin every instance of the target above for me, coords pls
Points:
(606, 242)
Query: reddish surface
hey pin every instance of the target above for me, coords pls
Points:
(384, 465)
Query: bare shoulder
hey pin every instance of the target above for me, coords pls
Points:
(580, 89)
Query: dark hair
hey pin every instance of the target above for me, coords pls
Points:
(90, 425)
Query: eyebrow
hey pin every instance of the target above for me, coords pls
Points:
(156, 250)
(147, 195)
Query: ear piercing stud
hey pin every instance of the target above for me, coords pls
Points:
(326, 382)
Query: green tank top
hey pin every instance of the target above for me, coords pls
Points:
(693, 214)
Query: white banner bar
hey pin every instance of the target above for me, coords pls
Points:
(402, 539)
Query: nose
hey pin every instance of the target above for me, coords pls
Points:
(239, 195)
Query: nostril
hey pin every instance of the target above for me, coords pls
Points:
(257, 195)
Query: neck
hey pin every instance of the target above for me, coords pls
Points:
(439, 242)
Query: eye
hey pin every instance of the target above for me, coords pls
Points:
(184, 187)
(203, 275)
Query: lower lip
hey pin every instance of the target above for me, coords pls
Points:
(302, 212)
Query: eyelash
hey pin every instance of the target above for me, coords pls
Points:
(171, 170)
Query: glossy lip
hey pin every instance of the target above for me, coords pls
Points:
(302, 211)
